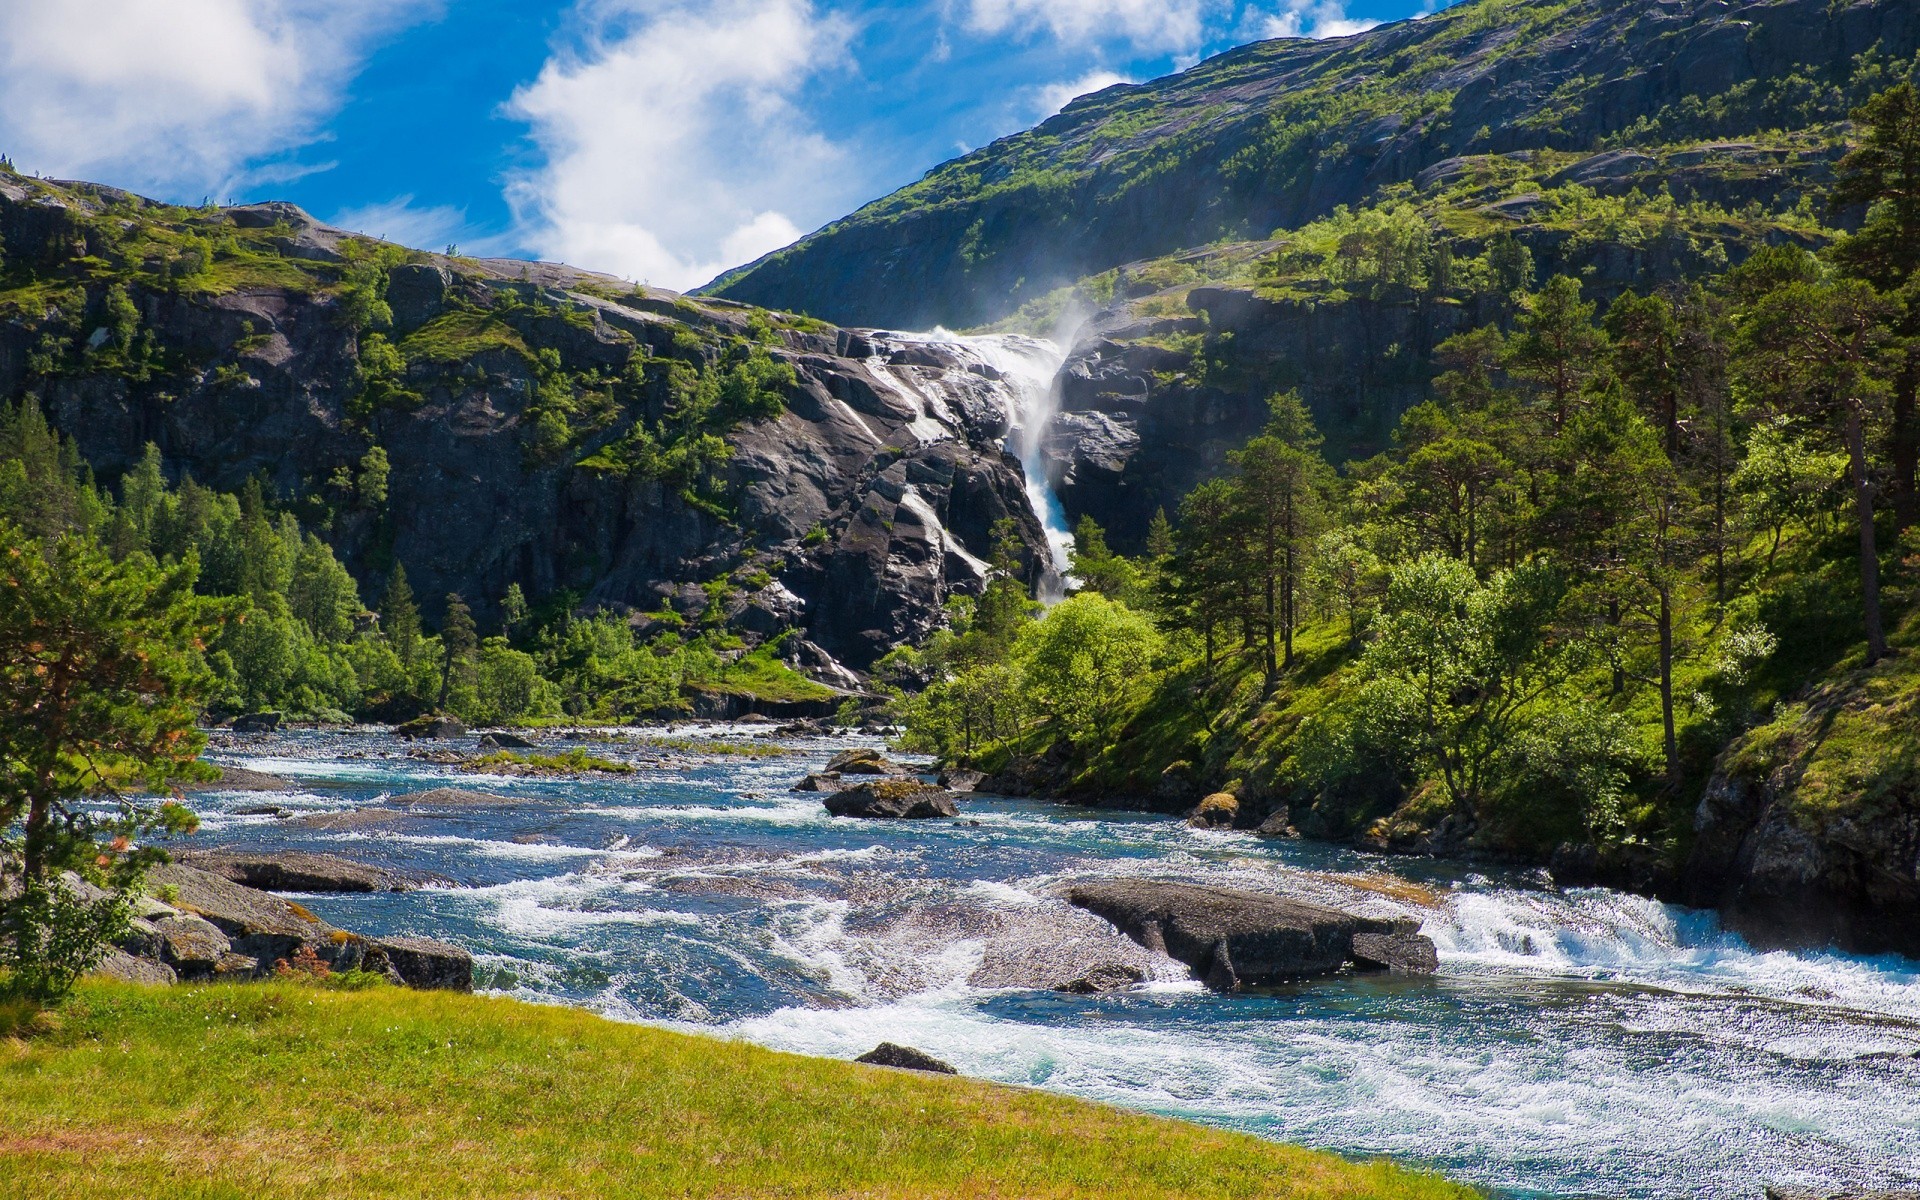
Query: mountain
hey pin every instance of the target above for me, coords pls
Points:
(591, 442)
(1273, 135)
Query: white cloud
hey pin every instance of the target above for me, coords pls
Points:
(1053, 97)
(1310, 18)
(173, 95)
(1148, 24)
(430, 227)
(673, 144)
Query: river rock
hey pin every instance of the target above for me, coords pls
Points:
(1114, 977)
(501, 740)
(1233, 938)
(960, 779)
(239, 779)
(905, 1058)
(862, 761)
(1218, 811)
(1408, 954)
(820, 781)
(452, 798)
(353, 820)
(906, 799)
(433, 725)
(421, 963)
(260, 722)
(298, 871)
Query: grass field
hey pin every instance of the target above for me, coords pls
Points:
(291, 1090)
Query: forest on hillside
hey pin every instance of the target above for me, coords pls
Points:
(1610, 545)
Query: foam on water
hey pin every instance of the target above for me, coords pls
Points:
(1579, 1043)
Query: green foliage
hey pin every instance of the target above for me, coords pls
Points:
(101, 669)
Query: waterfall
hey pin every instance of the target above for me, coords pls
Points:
(1028, 368)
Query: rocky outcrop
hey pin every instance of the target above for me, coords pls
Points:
(1232, 939)
(210, 927)
(1218, 811)
(867, 501)
(433, 725)
(262, 722)
(1809, 830)
(892, 799)
(905, 1058)
(297, 871)
(863, 761)
(452, 798)
(1406, 953)
(500, 739)
(1116, 977)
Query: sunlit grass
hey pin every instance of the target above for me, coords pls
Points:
(282, 1090)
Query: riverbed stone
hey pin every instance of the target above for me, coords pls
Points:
(1112, 977)
(240, 779)
(433, 725)
(905, 1058)
(863, 761)
(298, 871)
(1218, 811)
(500, 739)
(1407, 954)
(260, 722)
(961, 779)
(1233, 938)
(452, 798)
(820, 781)
(893, 799)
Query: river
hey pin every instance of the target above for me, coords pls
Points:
(1574, 1044)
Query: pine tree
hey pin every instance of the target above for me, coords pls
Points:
(459, 639)
(401, 618)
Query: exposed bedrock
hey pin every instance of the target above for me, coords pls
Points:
(1233, 939)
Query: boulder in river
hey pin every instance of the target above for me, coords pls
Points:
(239, 779)
(1232, 938)
(433, 725)
(297, 871)
(905, 1058)
(257, 924)
(1218, 811)
(820, 781)
(260, 722)
(899, 799)
(500, 739)
(1112, 977)
(1407, 953)
(960, 779)
(862, 761)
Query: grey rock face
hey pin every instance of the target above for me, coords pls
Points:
(877, 488)
(422, 963)
(1232, 938)
(256, 924)
(1408, 954)
(298, 871)
(904, 1058)
(892, 799)
(127, 968)
(191, 946)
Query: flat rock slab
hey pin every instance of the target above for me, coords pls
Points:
(353, 819)
(1232, 938)
(239, 779)
(298, 871)
(905, 1058)
(120, 965)
(452, 798)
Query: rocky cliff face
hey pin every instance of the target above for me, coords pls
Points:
(1810, 829)
(1278, 133)
(851, 509)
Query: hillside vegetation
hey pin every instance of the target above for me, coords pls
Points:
(285, 1090)
(1735, 104)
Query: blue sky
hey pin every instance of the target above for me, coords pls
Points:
(660, 140)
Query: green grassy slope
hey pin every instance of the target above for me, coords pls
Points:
(288, 1090)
